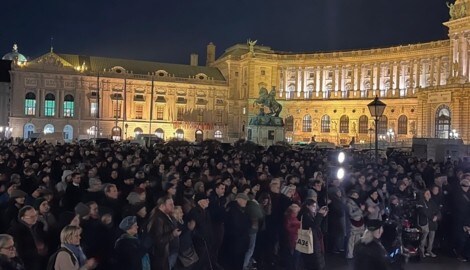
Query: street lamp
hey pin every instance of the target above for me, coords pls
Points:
(390, 134)
(376, 109)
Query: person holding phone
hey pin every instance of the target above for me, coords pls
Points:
(311, 218)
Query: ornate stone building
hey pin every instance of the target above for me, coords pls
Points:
(324, 95)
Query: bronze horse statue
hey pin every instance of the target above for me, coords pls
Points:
(268, 100)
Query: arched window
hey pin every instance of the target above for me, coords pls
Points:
(48, 129)
(325, 124)
(443, 120)
(290, 123)
(49, 105)
(403, 125)
(344, 124)
(307, 123)
(68, 106)
(383, 125)
(363, 124)
(28, 130)
(138, 131)
(160, 133)
(68, 133)
(116, 133)
(179, 134)
(218, 134)
(92, 131)
(30, 104)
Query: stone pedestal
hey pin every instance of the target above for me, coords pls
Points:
(265, 135)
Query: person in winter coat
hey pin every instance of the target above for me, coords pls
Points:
(373, 206)
(71, 256)
(130, 253)
(165, 233)
(369, 254)
(355, 221)
(256, 215)
(29, 238)
(428, 212)
(202, 235)
(292, 226)
(8, 258)
(336, 220)
(237, 227)
(311, 218)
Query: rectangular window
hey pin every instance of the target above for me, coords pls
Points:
(160, 112)
(200, 115)
(49, 107)
(30, 107)
(311, 75)
(180, 114)
(117, 109)
(68, 108)
(263, 72)
(94, 108)
(218, 116)
(139, 111)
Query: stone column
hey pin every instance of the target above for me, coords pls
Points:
(359, 78)
(302, 81)
(431, 76)
(340, 80)
(379, 73)
(321, 79)
(397, 76)
(439, 67)
(412, 72)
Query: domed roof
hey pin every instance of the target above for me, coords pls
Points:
(15, 55)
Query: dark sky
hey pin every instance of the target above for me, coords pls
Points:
(169, 30)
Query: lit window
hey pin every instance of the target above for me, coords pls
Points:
(160, 112)
(403, 125)
(307, 123)
(48, 129)
(179, 134)
(139, 111)
(344, 124)
(325, 124)
(30, 104)
(49, 105)
(68, 106)
(289, 123)
(218, 134)
(218, 116)
(363, 124)
(117, 105)
(160, 133)
(94, 108)
(200, 115)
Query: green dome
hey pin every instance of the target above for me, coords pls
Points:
(15, 55)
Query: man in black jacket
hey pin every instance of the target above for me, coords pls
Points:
(217, 202)
(164, 230)
(237, 230)
(369, 254)
(202, 235)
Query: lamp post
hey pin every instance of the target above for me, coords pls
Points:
(370, 137)
(376, 109)
(125, 134)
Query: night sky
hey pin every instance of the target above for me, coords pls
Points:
(170, 30)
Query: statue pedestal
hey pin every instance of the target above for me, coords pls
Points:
(259, 132)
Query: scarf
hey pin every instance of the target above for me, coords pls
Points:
(78, 252)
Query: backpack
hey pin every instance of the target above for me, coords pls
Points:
(52, 259)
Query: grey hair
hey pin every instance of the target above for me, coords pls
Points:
(4, 238)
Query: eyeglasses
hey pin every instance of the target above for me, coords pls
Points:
(10, 248)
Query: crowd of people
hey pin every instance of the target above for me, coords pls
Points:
(212, 206)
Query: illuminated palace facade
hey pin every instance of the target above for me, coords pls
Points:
(324, 95)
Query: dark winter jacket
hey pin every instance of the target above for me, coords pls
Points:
(370, 256)
(129, 253)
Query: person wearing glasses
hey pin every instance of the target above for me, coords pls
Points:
(8, 258)
(29, 237)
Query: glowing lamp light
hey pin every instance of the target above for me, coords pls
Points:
(341, 157)
(340, 174)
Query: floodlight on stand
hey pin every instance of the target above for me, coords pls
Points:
(340, 174)
(341, 157)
